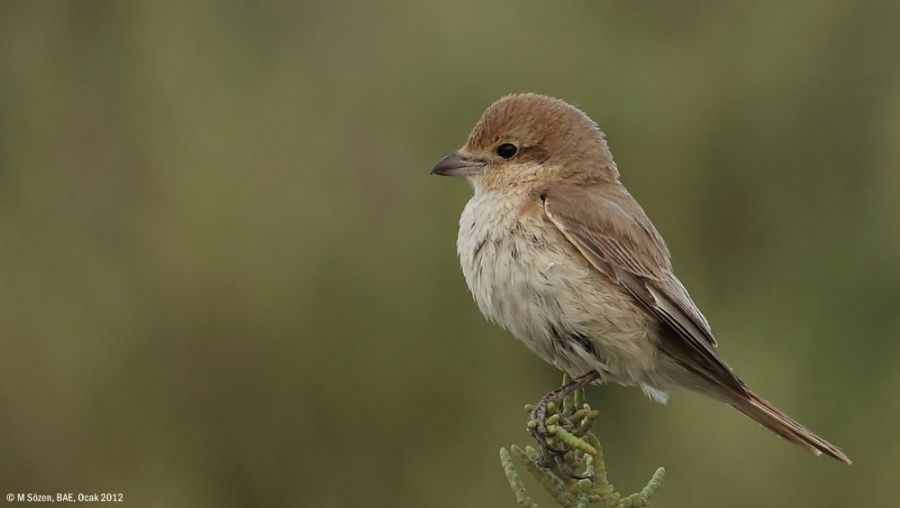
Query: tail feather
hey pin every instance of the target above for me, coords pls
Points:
(773, 419)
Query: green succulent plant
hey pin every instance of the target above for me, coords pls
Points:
(575, 474)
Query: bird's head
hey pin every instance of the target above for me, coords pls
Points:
(526, 138)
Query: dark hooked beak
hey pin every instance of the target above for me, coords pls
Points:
(457, 165)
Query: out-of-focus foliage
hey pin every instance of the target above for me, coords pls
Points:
(228, 280)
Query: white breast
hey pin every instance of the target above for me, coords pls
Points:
(525, 277)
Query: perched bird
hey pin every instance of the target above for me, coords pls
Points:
(555, 250)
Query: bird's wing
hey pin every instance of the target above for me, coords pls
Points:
(609, 228)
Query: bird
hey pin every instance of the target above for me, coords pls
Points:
(555, 250)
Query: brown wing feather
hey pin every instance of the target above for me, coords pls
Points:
(609, 228)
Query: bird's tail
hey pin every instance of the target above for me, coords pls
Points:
(773, 419)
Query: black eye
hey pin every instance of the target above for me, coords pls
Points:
(507, 150)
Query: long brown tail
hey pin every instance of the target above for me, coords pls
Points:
(773, 419)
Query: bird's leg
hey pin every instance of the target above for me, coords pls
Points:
(538, 425)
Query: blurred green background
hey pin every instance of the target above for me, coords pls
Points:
(228, 280)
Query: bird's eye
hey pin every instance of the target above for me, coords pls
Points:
(507, 150)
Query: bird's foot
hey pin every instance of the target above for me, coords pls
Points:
(547, 416)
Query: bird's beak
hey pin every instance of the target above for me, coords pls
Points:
(456, 164)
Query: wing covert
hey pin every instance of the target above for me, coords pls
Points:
(612, 232)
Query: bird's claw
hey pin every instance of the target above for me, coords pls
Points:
(537, 427)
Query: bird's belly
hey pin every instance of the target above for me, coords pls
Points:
(525, 276)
